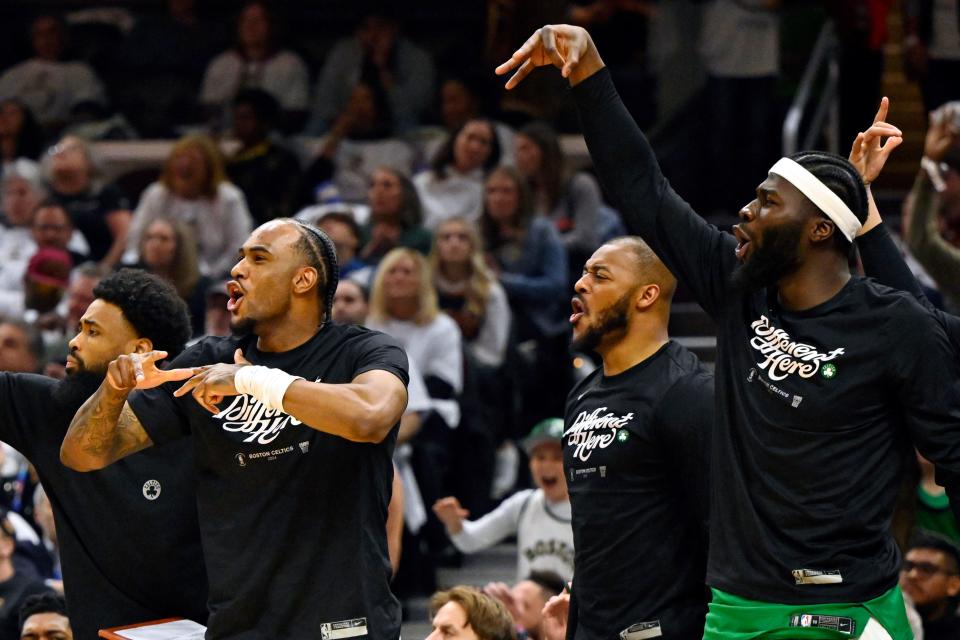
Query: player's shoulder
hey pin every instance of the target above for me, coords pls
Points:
(896, 305)
(210, 349)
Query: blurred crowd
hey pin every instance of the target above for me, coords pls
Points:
(459, 223)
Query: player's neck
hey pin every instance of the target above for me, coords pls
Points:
(643, 338)
(287, 333)
(813, 283)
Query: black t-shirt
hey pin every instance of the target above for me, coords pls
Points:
(293, 519)
(89, 212)
(129, 536)
(814, 408)
(635, 449)
(12, 594)
(946, 628)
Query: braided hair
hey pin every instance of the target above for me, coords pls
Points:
(321, 254)
(842, 178)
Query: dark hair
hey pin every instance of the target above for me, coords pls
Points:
(30, 141)
(53, 203)
(928, 540)
(842, 178)
(488, 228)
(445, 155)
(263, 104)
(321, 254)
(343, 217)
(411, 211)
(151, 305)
(48, 602)
(549, 582)
(273, 23)
(551, 178)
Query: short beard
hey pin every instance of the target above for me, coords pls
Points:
(612, 319)
(71, 392)
(778, 256)
(242, 328)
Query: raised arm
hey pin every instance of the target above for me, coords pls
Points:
(697, 253)
(105, 428)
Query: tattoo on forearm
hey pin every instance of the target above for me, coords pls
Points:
(107, 428)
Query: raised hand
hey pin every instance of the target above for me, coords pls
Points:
(555, 615)
(211, 384)
(450, 513)
(139, 371)
(869, 152)
(564, 46)
(942, 133)
(501, 591)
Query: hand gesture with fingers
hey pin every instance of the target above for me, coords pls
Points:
(555, 615)
(942, 132)
(213, 383)
(870, 152)
(501, 591)
(566, 47)
(450, 513)
(139, 371)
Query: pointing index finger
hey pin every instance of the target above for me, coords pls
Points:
(520, 54)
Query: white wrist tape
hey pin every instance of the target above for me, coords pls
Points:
(820, 195)
(265, 384)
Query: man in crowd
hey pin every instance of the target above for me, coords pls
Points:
(931, 577)
(114, 579)
(463, 613)
(819, 374)
(44, 617)
(294, 469)
(15, 587)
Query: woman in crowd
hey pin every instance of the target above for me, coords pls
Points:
(168, 249)
(21, 191)
(469, 292)
(571, 202)
(526, 252)
(258, 62)
(403, 304)
(453, 186)
(20, 135)
(193, 189)
(395, 217)
(98, 210)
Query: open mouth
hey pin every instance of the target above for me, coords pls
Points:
(743, 242)
(579, 309)
(235, 293)
(548, 482)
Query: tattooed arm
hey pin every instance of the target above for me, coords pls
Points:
(105, 428)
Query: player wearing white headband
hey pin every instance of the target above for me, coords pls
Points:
(822, 378)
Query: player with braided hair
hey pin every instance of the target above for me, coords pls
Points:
(822, 376)
(294, 422)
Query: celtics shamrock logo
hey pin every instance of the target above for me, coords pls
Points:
(623, 435)
(829, 371)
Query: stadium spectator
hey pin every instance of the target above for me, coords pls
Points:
(572, 202)
(52, 227)
(20, 135)
(464, 613)
(21, 347)
(194, 190)
(98, 210)
(168, 249)
(15, 587)
(932, 210)
(44, 617)
(266, 172)
(453, 185)
(395, 217)
(932, 511)
(343, 229)
(931, 48)
(49, 86)
(539, 518)
(217, 316)
(20, 192)
(355, 145)
(258, 61)
(931, 578)
(525, 601)
(376, 53)
(529, 258)
(466, 97)
(43, 516)
(45, 282)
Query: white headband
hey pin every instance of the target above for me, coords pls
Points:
(820, 195)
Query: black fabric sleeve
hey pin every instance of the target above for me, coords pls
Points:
(882, 261)
(697, 253)
(164, 417)
(573, 616)
(926, 378)
(380, 351)
(15, 388)
(683, 423)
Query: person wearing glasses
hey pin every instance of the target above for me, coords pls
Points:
(930, 576)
